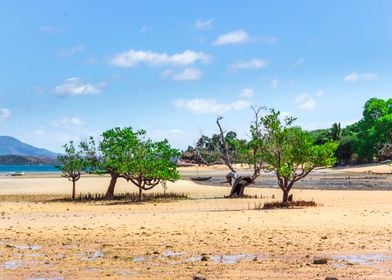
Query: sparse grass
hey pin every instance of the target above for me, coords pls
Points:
(95, 197)
(279, 204)
(246, 196)
(30, 197)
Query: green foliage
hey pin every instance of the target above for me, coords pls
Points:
(72, 163)
(375, 128)
(288, 150)
(365, 140)
(151, 160)
(128, 154)
(210, 148)
(117, 148)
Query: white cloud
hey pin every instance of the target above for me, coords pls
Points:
(69, 122)
(320, 93)
(242, 37)
(298, 62)
(306, 102)
(75, 86)
(5, 114)
(234, 37)
(274, 83)
(202, 24)
(71, 51)
(357, 77)
(208, 106)
(133, 58)
(247, 92)
(50, 29)
(187, 74)
(254, 63)
(168, 134)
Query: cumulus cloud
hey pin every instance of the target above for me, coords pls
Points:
(133, 58)
(68, 122)
(76, 86)
(71, 51)
(202, 24)
(5, 114)
(187, 74)
(242, 37)
(234, 37)
(274, 83)
(247, 92)
(306, 102)
(254, 63)
(209, 106)
(357, 77)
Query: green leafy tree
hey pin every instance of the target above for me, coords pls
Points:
(71, 164)
(150, 163)
(116, 151)
(125, 153)
(288, 150)
(374, 130)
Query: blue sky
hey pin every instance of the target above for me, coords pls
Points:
(69, 69)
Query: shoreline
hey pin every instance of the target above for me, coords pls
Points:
(351, 229)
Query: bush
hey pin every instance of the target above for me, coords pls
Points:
(279, 204)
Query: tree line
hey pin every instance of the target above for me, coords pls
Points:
(365, 141)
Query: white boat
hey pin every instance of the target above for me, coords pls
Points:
(19, 173)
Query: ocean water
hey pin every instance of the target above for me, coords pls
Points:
(5, 169)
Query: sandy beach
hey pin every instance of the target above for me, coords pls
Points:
(205, 235)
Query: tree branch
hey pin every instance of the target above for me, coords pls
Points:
(224, 152)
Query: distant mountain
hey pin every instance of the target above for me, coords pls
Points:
(26, 160)
(12, 146)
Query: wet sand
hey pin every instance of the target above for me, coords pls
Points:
(206, 235)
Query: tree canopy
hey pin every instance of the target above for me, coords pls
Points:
(72, 164)
(289, 151)
(128, 154)
(367, 140)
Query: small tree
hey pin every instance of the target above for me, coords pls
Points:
(289, 151)
(116, 150)
(72, 164)
(151, 163)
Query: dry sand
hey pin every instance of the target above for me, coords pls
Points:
(53, 240)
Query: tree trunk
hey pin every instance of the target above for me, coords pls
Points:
(73, 189)
(140, 194)
(285, 196)
(238, 184)
(112, 184)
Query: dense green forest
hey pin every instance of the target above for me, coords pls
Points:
(367, 140)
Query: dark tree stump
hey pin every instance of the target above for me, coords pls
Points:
(238, 184)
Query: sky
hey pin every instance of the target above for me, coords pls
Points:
(70, 69)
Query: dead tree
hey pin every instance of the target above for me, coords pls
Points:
(239, 182)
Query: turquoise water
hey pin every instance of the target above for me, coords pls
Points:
(27, 168)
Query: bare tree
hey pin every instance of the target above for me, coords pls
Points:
(239, 182)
